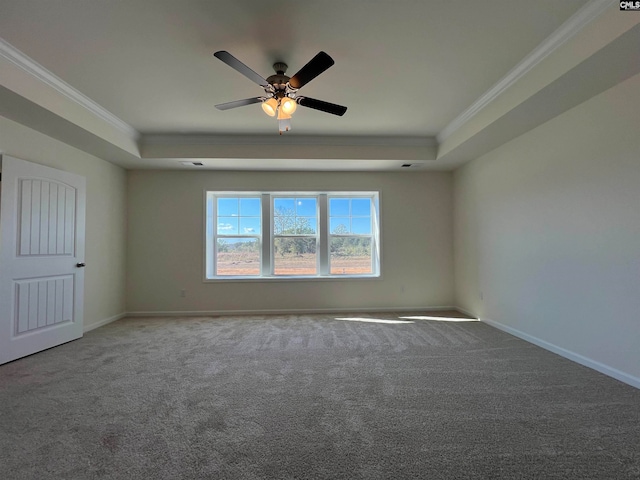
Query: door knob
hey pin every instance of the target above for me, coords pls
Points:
(80, 265)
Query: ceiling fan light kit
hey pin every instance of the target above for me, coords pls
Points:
(270, 106)
(281, 92)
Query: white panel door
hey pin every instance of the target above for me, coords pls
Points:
(42, 215)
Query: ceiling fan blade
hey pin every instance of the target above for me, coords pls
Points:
(237, 65)
(311, 70)
(322, 106)
(238, 103)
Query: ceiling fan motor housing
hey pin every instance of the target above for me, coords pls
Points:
(279, 80)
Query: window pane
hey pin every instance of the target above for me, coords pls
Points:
(350, 256)
(250, 225)
(250, 207)
(361, 225)
(239, 216)
(339, 225)
(306, 225)
(339, 206)
(294, 256)
(237, 256)
(295, 216)
(227, 225)
(306, 207)
(284, 224)
(361, 206)
(284, 206)
(227, 207)
(284, 218)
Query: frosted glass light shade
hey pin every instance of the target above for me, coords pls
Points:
(270, 107)
(288, 105)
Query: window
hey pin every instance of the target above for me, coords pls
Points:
(351, 238)
(238, 236)
(282, 235)
(295, 236)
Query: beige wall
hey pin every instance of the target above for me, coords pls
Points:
(106, 208)
(165, 244)
(547, 230)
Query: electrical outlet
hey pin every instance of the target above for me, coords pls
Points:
(183, 293)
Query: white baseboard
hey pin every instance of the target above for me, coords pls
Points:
(568, 354)
(93, 326)
(293, 311)
(466, 312)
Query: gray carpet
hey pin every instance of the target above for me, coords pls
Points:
(311, 397)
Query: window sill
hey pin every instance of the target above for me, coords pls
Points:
(285, 278)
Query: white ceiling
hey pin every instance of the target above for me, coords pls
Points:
(405, 69)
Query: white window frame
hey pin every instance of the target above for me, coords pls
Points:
(375, 253)
(267, 235)
(212, 235)
(274, 235)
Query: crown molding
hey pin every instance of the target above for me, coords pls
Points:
(305, 140)
(566, 31)
(44, 76)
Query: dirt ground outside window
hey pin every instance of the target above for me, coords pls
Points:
(247, 264)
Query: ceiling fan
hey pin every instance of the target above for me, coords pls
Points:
(281, 92)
